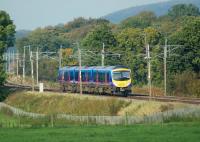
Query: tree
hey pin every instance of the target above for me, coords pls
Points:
(142, 20)
(131, 44)
(7, 31)
(48, 39)
(67, 59)
(180, 10)
(81, 22)
(100, 34)
(153, 36)
(94, 41)
(189, 37)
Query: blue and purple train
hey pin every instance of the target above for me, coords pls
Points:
(113, 80)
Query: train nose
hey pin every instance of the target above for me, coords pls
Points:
(122, 84)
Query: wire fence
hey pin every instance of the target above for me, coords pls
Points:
(28, 119)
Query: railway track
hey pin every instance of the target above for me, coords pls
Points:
(28, 87)
(187, 100)
(168, 99)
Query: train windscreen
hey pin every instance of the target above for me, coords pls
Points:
(121, 75)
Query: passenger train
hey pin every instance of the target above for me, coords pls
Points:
(113, 80)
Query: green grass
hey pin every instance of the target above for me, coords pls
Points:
(4, 117)
(172, 132)
(7, 120)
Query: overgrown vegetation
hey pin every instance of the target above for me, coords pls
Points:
(186, 83)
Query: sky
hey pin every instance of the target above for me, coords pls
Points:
(30, 14)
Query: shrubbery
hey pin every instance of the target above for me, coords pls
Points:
(187, 84)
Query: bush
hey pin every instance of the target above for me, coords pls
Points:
(5, 92)
(185, 84)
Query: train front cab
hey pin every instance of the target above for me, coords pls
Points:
(121, 79)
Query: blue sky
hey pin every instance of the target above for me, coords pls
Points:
(30, 14)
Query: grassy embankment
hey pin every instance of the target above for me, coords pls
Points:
(87, 110)
(56, 103)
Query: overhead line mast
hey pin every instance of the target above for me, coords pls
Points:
(149, 68)
(103, 56)
(80, 66)
(165, 68)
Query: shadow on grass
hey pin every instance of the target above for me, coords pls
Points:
(6, 91)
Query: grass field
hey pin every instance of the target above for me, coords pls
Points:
(172, 132)
(181, 131)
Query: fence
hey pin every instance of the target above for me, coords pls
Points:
(28, 119)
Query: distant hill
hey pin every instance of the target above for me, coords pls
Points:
(158, 8)
(21, 33)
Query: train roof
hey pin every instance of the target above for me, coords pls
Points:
(93, 67)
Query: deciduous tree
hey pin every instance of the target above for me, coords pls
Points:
(7, 31)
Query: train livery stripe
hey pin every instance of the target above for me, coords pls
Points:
(121, 69)
(122, 83)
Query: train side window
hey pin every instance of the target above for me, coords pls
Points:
(66, 75)
(95, 76)
(60, 75)
(108, 77)
(105, 77)
(89, 76)
(98, 76)
(101, 77)
(76, 76)
(71, 76)
(83, 76)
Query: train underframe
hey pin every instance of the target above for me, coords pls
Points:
(101, 89)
